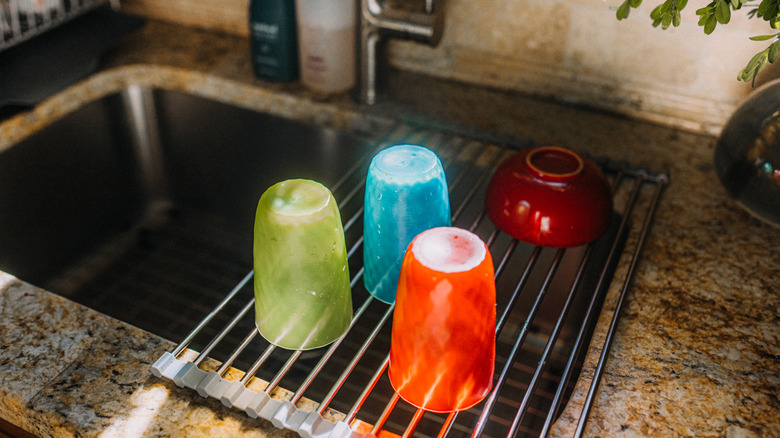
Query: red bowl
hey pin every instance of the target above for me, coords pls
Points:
(549, 196)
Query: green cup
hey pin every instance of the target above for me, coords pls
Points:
(302, 291)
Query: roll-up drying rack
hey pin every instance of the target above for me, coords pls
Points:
(21, 20)
(548, 303)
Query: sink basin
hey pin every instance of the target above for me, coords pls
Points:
(151, 193)
(140, 205)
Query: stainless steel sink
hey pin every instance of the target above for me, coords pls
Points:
(141, 205)
(124, 179)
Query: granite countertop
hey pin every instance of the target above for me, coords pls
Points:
(696, 350)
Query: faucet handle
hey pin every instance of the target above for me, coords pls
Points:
(416, 26)
(424, 27)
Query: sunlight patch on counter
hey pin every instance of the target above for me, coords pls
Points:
(5, 278)
(146, 405)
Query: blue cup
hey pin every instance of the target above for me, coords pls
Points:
(406, 194)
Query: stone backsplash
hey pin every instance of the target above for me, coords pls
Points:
(573, 51)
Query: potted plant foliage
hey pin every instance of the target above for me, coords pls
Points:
(747, 153)
(719, 12)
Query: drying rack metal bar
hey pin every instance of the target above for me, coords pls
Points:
(169, 366)
(502, 319)
(660, 183)
(459, 158)
(591, 312)
(548, 347)
(316, 370)
(497, 385)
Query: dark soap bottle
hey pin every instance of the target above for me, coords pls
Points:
(273, 38)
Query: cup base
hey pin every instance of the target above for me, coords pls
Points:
(306, 348)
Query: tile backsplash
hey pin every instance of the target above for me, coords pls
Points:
(573, 51)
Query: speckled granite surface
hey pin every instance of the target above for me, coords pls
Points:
(69, 371)
(697, 352)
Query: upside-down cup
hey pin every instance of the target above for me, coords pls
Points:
(443, 340)
(406, 194)
(301, 276)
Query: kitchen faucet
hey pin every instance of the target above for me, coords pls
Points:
(377, 21)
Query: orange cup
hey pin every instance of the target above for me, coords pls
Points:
(443, 341)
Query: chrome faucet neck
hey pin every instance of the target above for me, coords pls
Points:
(377, 21)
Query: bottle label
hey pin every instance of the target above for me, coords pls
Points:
(265, 31)
(327, 58)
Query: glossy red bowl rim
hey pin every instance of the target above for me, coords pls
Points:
(560, 152)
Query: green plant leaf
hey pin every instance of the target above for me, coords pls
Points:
(771, 12)
(762, 8)
(656, 13)
(666, 21)
(722, 12)
(635, 3)
(763, 37)
(709, 26)
(677, 20)
(754, 67)
(774, 50)
(703, 19)
(741, 75)
(623, 11)
(761, 65)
